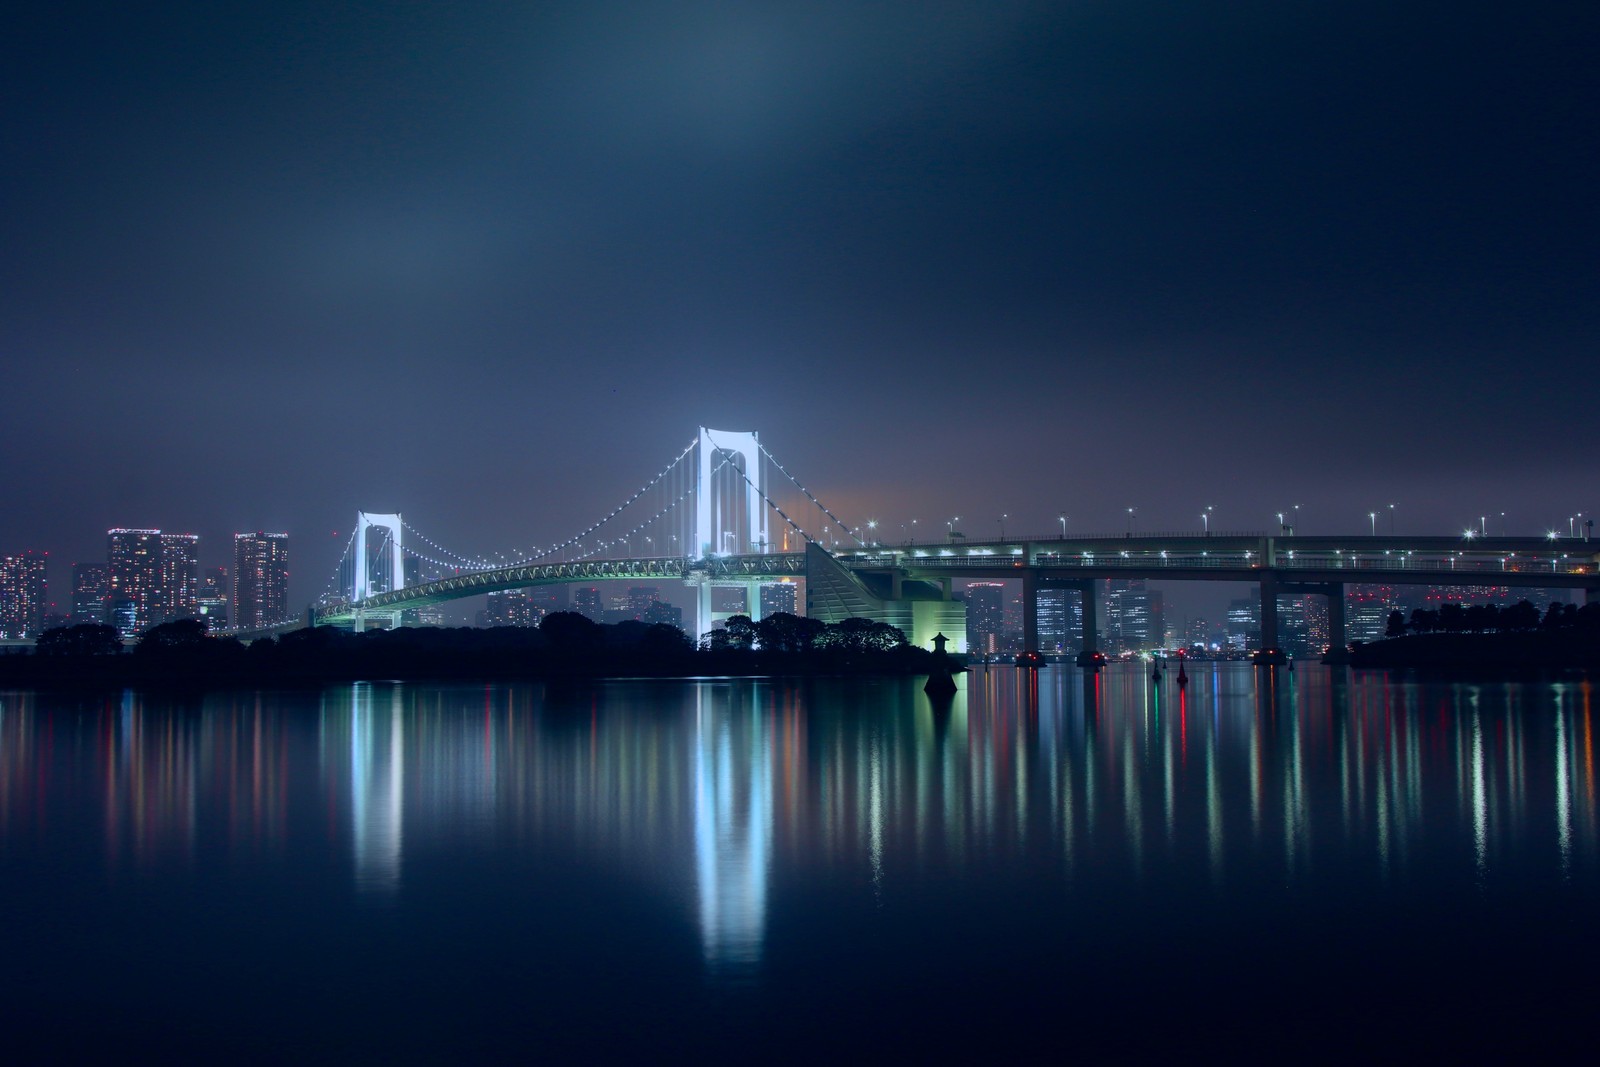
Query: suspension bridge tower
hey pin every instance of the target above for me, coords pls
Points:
(393, 529)
(727, 523)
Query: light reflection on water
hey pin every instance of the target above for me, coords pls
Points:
(741, 801)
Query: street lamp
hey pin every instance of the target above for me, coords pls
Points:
(1391, 520)
(1133, 521)
(1373, 515)
(1205, 517)
(1063, 518)
(1002, 521)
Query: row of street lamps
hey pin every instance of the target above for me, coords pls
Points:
(1287, 521)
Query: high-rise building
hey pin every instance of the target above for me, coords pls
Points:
(586, 602)
(662, 612)
(985, 616)
(1135, 617)
(134, 560)
(510, 607)
(779, 597)
(1244, 623)
(91, 593)
(1143, 618)
(640, 597)
(211, 603)
(1294, 628)
(548, 599)
(1055, 619)
(260, 580)
(180, 576)
(23, 594)
(1367, 610)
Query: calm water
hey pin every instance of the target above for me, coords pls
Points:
(1262, 866)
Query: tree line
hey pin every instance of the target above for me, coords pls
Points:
(563, 643)
(1521, 617)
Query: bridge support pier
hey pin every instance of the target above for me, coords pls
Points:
(702, 614)
(1091, 622)
(1030, 611)
(1338, 643)
(1269, 618)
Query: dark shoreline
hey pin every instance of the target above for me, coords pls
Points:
(182, 656)
(1562, 650)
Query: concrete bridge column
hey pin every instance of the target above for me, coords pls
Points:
(1091, 616)
(1030, 610)
(1338, 644)
(1269, 610)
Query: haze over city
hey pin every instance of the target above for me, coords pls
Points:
(491, 268)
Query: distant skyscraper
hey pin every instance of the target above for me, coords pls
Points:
(1055, 619)
(547, 599)
(985, 615)
(91, 593)
(662, 612)
(640, 597)
(260, 580)
(1135, 618)
(586, 602)
(1367, 610)
(134, 559)
(509, 607)
(211, 604)
(180, 576)
(1294, 628)
(23, 594)
(779, 596)
(1244, 623)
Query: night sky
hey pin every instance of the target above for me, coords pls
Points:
(490, 265)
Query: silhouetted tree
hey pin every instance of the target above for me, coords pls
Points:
(665, 642)
(570, 633)
(1556, 617)
(1520, 616)
(170, 638)
(786, 633)
(1452, 618)
(741, 632)
(1397, 625)
(1424, 620)
(862, 635)
(85, 639)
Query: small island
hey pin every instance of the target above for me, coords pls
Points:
(563, 645)
(1459, 637)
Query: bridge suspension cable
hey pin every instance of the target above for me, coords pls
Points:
(535, 554)
(824, 508)
(332, 589)
(471, 562)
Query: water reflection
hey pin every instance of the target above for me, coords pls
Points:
(377, 750)
(733, 776)
(711, 793)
